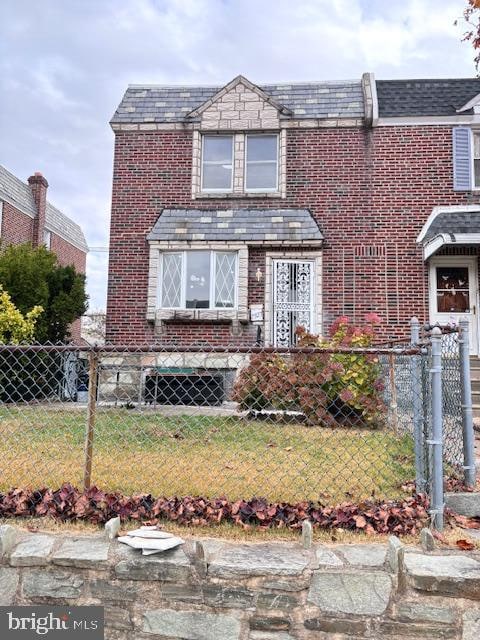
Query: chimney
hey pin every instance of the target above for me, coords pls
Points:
(39, 185)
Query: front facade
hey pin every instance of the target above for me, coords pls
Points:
(242, 212)
(27, 216)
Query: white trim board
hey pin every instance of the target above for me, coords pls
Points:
(426, 120)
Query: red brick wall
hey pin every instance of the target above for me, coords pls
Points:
(17, 227)
(370, 190)
(68, 254)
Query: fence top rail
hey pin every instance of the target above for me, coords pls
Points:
(164, 348)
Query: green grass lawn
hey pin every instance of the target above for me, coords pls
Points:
(137, 452)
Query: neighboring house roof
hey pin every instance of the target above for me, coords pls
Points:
(429, 97)
(156, 103)
(239, 225)
(19, 194)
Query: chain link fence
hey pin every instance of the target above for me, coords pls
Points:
(289, 425)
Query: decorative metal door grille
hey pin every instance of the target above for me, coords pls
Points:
(292, 299)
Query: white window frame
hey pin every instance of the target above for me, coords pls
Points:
(213, 262)
(47, 239)
(246, 163)
(473, 133)
(222, 190)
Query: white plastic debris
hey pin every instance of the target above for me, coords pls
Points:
(150, 533)
(112, 527)
(151, 545)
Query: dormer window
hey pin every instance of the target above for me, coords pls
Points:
(217, 163)
(239, 164)
(476, 159)
(261, 162)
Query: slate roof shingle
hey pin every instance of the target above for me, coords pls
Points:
(244, 225)
(428, 97)
(454, 222)
(19, 194)
(151, 103)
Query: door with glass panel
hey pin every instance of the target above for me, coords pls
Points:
(453, 293)
(293, 299)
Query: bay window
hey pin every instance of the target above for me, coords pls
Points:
(198, 280)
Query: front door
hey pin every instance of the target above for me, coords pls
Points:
(453, 293)
(293, 299)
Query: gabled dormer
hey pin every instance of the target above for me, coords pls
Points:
(240, 104)
(239, 149)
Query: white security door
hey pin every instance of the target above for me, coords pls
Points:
(453, 293)
(293, 299)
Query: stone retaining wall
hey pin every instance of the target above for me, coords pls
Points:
(214, 590)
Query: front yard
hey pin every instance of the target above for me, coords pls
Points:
(146, 452)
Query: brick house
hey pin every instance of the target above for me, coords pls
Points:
(242, 212)
(27, 216)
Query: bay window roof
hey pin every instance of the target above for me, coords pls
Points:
(251, 226)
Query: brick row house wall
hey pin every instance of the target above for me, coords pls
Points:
(27, 216)
(336, 198)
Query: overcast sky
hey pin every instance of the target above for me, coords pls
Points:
(64, 65)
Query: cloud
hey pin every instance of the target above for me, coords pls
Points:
(65, 65)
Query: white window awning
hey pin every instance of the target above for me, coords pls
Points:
(430, 247)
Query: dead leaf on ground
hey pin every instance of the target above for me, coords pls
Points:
(465, 545)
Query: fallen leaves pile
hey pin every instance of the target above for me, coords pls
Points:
(399, 517)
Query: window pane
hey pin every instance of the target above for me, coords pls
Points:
(225, 280)
(217, 176)
(261, 148)
(198, 280)
(262, 176)
(453, 293)
(217, 148)
(476, 167)
(452, 278)
(476, 145)
(172, 280)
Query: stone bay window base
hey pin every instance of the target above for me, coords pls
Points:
(168, 378)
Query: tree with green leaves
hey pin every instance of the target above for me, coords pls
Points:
(32, 276)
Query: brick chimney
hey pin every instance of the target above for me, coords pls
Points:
(39, 186)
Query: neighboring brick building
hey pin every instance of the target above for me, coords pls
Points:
(280, 205)
(27, 216)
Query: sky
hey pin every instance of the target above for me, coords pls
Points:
(65, 64)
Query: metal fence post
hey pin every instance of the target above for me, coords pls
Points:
(467, 412)
(91, 413)
(436, 440)
(418, 411)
